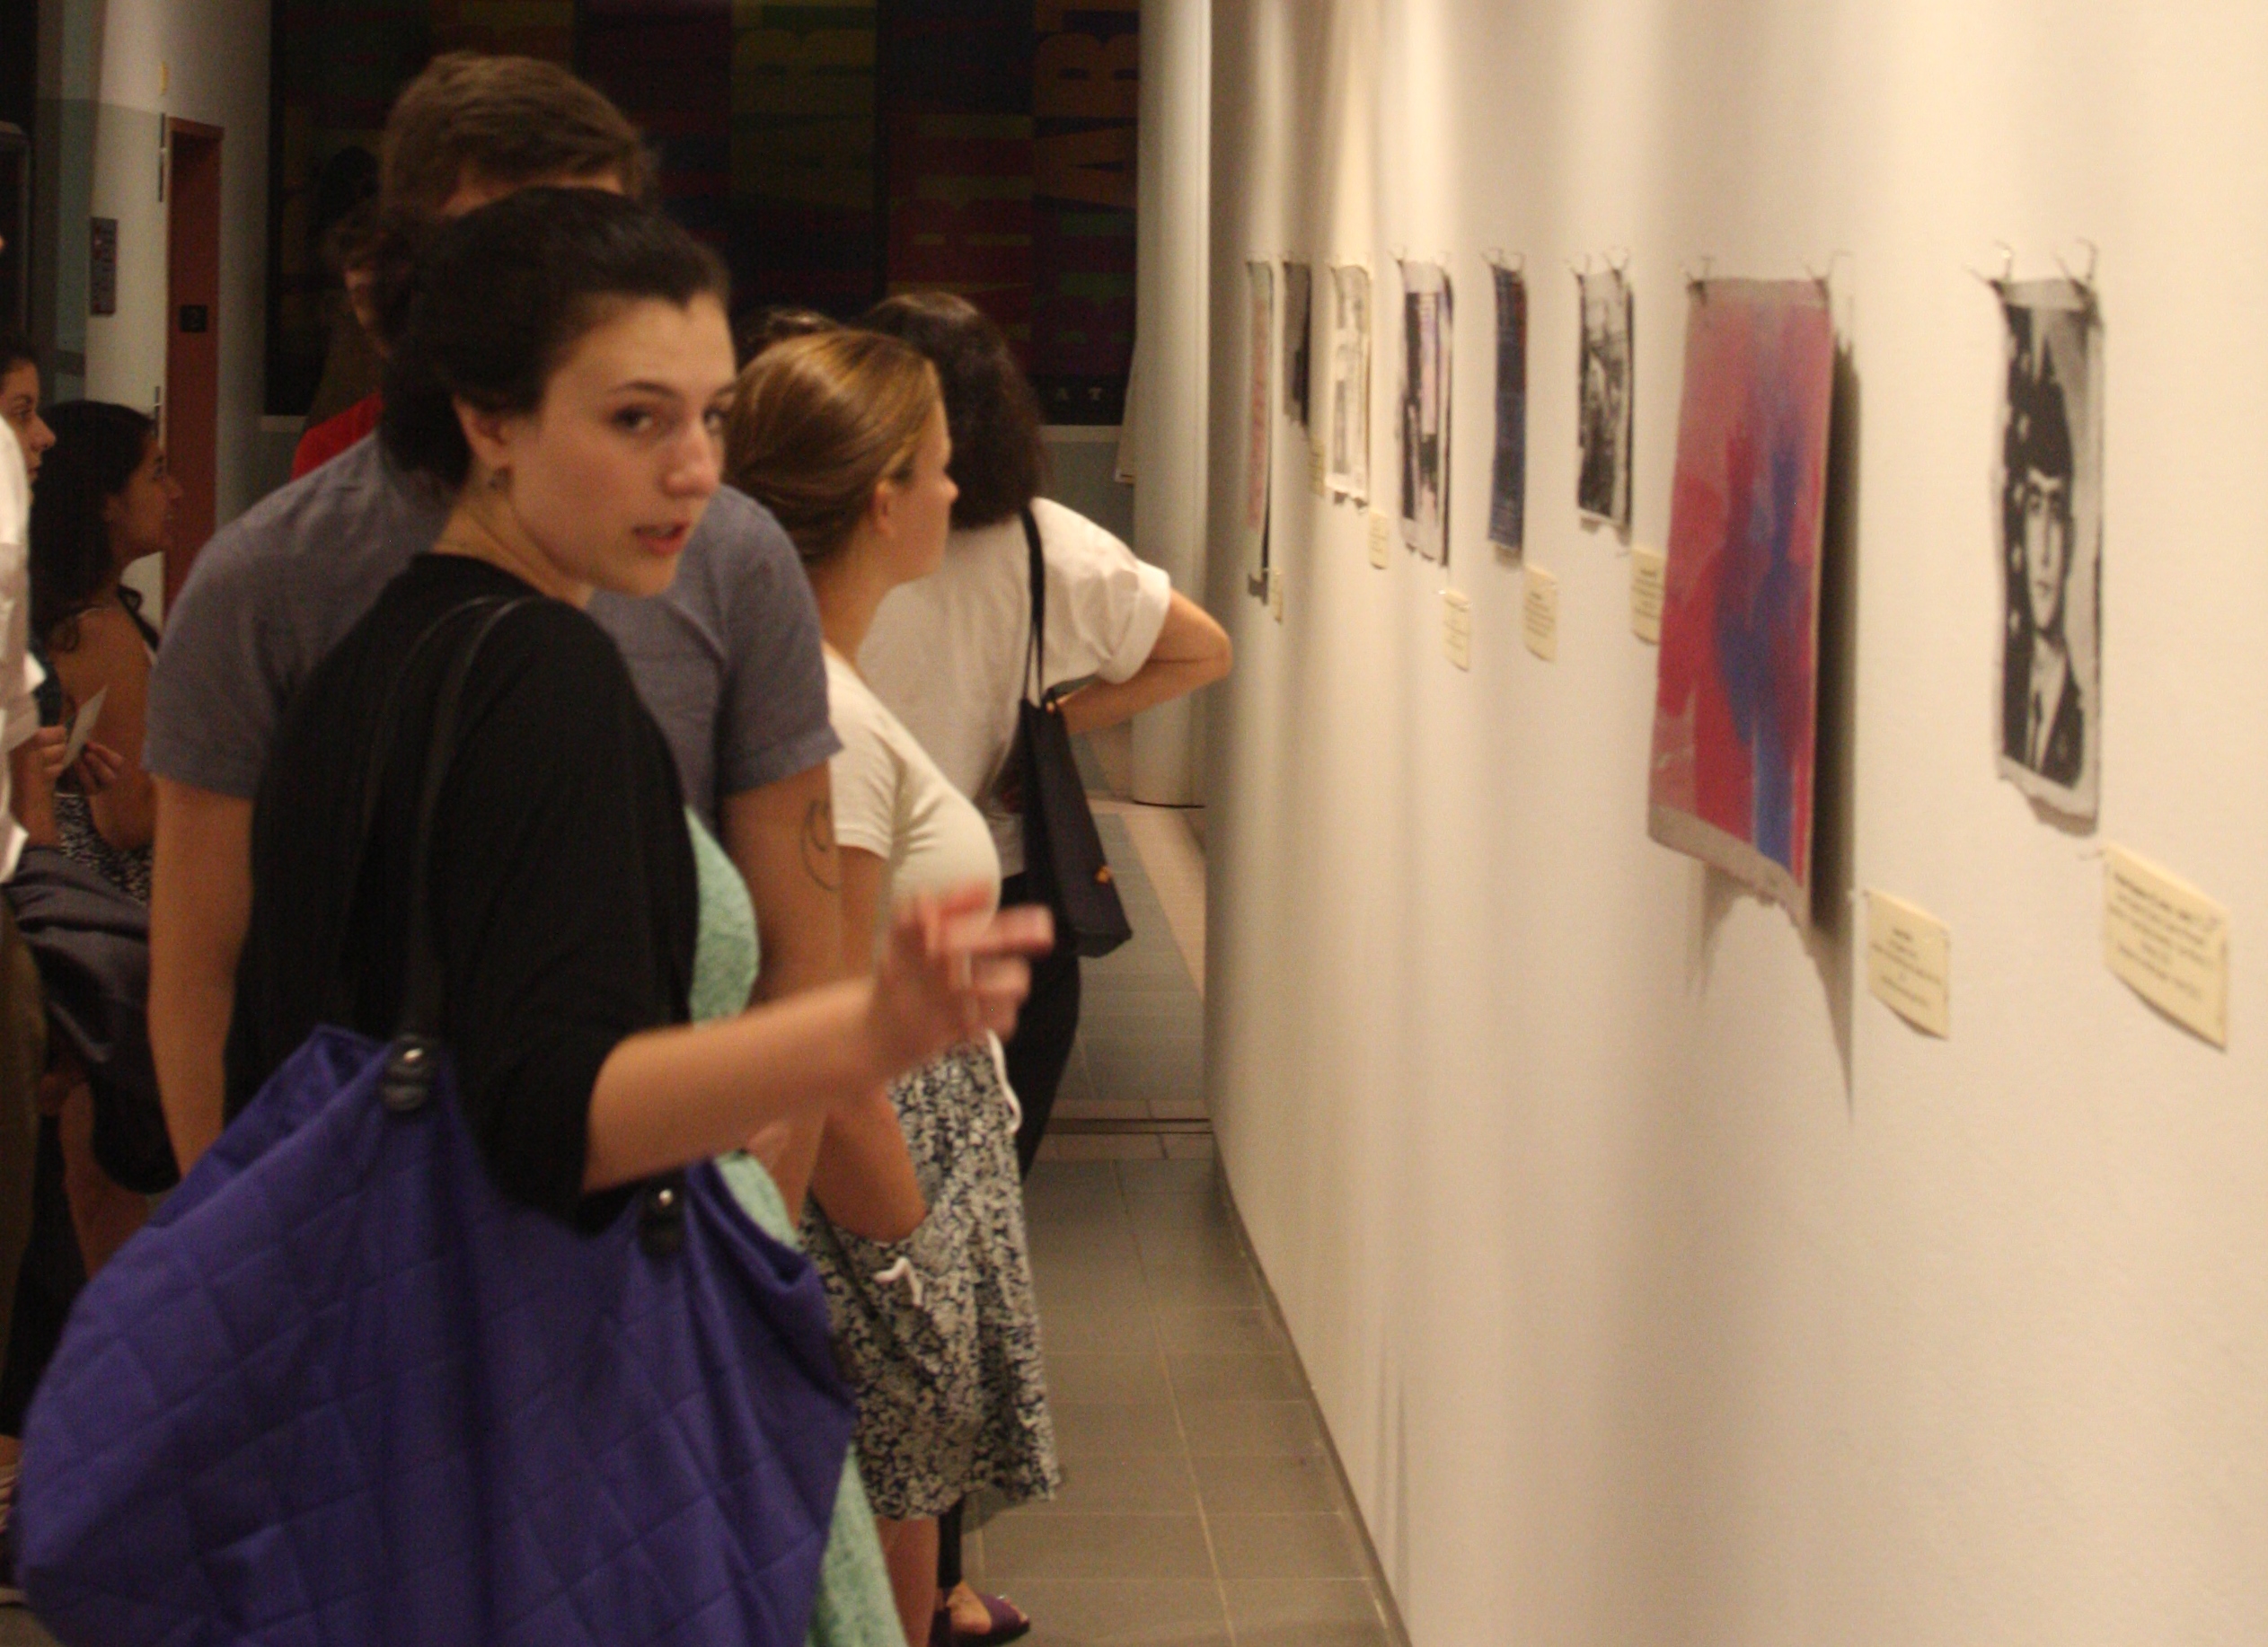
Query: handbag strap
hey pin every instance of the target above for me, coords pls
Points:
(1034, 686)
(408, 1081)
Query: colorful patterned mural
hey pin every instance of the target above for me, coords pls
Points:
(833, 151)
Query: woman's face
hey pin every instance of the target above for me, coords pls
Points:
(923, 506)
(609, 475)
(141, 517)
(19, 410)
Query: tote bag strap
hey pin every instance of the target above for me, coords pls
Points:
(408, 1081)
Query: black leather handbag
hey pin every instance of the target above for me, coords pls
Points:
(1064, 862)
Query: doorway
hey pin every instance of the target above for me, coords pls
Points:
(191, 411)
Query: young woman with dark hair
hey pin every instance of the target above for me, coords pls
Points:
(560, 373)
(843, 435)
(104, 501)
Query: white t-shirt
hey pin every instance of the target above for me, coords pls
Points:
(891, 800)
(19, 672)
(946, 651)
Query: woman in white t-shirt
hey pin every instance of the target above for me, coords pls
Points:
(843, 435)
(946, 654)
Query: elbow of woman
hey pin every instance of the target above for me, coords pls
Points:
(1219, 660)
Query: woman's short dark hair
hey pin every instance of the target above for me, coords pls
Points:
(15, 350)
(98, 446)
(500, 296)
(998, 461)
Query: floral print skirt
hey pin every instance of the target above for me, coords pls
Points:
(938, 1334)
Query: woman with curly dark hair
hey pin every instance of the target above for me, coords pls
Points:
(104, 501)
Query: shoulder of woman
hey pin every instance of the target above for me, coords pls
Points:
(106, 637)
(1069, 537)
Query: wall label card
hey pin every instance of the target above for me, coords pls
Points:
(1648, 568)
(1909, 963)
(2167, 941)
(1381, 540)
(1540, 612)
(1456, 627)
(1315, 481)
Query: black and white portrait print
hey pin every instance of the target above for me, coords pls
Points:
(1424, 409)
(2049, 493)
(1349, 467)
(1603, 485)
(1298, 298)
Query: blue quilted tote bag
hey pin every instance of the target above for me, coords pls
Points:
(341, 1390)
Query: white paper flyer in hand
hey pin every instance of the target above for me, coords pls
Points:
(83, 726)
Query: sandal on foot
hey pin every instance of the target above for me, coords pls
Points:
(1006, 1622)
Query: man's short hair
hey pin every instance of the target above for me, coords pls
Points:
(508, 120)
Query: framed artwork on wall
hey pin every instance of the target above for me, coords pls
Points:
(1348, 469)
(1737, 692)
(2048, 485)
(1508, 472)
(1423, 410)
(1298, 290)
(1603, 481)
(1261, 275)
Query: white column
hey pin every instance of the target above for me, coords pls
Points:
(1172, 235)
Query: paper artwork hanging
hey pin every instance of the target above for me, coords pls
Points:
(1737, 698)
(1348, 472)
(1602, 483)
(1299, 286)
(1508, 474)
(1257, 405)
(2048, 487)
(1427, 314)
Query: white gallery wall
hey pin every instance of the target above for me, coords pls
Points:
(1658, 1284)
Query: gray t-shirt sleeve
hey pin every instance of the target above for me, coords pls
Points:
(772, 722)
(216, 691)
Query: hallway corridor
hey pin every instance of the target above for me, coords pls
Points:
(1201, 1505)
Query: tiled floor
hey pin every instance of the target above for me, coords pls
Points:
(1201, 1506)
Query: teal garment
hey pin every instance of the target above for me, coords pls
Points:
(855, 1607)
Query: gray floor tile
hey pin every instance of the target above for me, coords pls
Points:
(1200, 1376)
(1284, 1546)
(1100, 1147)
(1216, 1245)
(1222, 1332)
(1123, 1613)
(1298, 1484)
(1198, 1147)
(1096, 1546)
(1156, 1485)
(1111, 1329)
(1201, 1286)
(1130, 1379)
(1171, 1178)
(1251, 1429)
(1306, 1613)
(1096, 1430)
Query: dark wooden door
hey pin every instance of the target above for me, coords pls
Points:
(192, 338)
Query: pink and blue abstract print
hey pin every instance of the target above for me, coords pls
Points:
(1736, 702)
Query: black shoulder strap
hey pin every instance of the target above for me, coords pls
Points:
(1036, 649)
(408, 1082)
